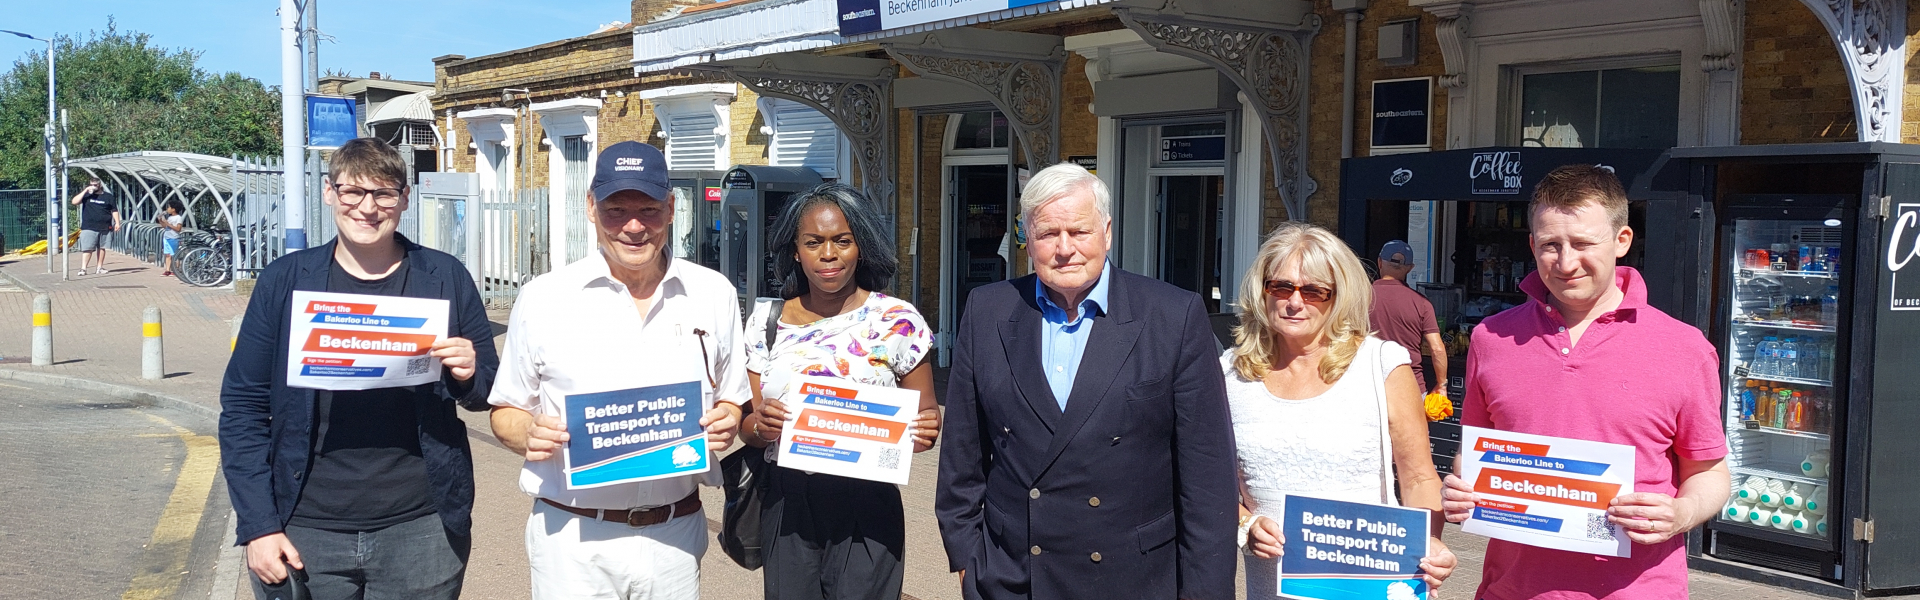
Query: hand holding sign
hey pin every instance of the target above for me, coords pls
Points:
(456, 354)
(721, 421)
(1650, 518)
(1457, 499)
(546, 434)
(1550, 492)
(1265, 538)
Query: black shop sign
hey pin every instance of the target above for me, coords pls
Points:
(1402, 113)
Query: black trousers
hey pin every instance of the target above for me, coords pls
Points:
(831, 538)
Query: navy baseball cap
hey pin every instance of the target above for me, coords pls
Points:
(1400, 248)
(630, 166)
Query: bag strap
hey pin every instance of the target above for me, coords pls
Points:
(1374, 357)
(773, 321)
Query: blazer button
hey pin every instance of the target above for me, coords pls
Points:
(1035, 550)
(1034, 494)
(1095, 557)
(1094, 501)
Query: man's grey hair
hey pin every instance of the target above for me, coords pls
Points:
(1055, 182)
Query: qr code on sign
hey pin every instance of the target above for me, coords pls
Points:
(890, 458)
(1598, 528)
(418, 365)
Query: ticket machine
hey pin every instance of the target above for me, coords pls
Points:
(751, 198)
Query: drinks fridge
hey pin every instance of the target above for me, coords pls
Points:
(1784, 345)
(1815, 311)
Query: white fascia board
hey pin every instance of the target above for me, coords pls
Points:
(488, 124)
(742, 31)
(688, 92)
(569, 117)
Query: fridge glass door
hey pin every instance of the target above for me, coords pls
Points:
(1782, 398)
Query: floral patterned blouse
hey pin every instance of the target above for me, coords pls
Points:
(875, 344)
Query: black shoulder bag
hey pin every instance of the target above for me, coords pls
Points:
(744, 473)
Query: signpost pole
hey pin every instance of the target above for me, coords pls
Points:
(293, 128)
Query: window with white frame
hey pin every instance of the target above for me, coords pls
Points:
(802, 137)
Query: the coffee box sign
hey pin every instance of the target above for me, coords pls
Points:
(1495, 172)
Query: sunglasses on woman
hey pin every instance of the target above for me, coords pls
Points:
(1282, 289)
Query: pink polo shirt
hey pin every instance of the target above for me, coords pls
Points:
(1638, 377)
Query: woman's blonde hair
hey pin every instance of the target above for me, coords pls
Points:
(1325, 260)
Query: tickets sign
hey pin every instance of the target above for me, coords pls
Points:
(1546, 491)
(360, 342)
(636, 434)
(1352, 551)
(848, 429)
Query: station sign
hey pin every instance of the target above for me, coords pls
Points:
(867, 16)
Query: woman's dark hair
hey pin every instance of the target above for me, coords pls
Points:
(877, 264)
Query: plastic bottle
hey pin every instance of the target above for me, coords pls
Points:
(1733, 511)
(1749, 490)
(1815, 465)
(1764, 412)
(1816, 501)
(1797, 418)
(1775, 492)
(1766, 356)
(1830, 306)
(1746, 402)
(1796, 497)
(1781, 519)
(1820, 527)
(1781, 408)
(1801, 523)
(1761, 516)
(1789, 358)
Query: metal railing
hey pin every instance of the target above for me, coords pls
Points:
(23, 218)
(514, 244)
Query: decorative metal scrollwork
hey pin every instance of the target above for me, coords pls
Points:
(1028, 91)
(1872, 44)
(858, 108)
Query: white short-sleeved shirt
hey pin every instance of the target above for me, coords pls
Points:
(575, 331)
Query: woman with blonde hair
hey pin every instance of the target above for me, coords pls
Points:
(1320, 407)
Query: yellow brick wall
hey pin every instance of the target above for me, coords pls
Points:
(1794, 87)
(1327, 82)
(748, 145)
(1910, 111)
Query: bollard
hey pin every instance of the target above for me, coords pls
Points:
(42, 330)
(153, 354)
(234, 342)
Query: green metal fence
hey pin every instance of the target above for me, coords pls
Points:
(23, 218)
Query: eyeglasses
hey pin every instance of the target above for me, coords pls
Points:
(352, 195)
(1282, 289)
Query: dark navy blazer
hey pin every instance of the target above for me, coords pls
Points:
(266, 428)
(1132, 492)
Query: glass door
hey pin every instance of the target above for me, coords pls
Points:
(1784, 372)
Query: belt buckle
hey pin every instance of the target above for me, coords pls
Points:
(633, 517)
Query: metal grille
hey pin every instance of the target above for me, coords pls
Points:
(574, 150)
(514, 249)
(1817, 236)
(419, 134)
(23, 218)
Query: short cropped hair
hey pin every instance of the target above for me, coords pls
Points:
(873, 272)
(1573, 186)
(1055, 182)
(370, 158)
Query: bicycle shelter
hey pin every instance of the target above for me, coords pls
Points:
(238, 194)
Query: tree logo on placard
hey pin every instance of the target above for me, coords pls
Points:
(685, 455)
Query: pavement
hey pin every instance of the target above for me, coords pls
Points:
(97, 340)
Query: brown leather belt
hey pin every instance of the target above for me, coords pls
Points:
(639, 517)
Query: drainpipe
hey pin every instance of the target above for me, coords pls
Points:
(1353, 9)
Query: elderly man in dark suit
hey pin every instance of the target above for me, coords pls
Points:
(1088, 452)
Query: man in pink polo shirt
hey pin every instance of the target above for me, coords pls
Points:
(1586, 357)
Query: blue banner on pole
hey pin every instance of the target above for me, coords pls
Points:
(330, 121)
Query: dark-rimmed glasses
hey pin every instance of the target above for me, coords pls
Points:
(1281, 289)
(352, 195)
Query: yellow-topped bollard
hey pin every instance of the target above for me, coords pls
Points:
(152, 351)
(42, 330)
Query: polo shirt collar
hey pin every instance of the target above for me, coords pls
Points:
(1097, 297)
(1633, 289)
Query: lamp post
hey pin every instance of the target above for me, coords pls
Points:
(53, 200)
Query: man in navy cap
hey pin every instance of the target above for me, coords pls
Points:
(629, 316)
(1403, 316)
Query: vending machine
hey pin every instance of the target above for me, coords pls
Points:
(1819, 341)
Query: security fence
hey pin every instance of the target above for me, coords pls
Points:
(514, 245)
(23, 218)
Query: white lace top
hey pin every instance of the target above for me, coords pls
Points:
(1327, 446)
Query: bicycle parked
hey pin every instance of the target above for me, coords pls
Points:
(205, 258)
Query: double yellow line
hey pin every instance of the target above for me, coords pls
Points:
(163, 565)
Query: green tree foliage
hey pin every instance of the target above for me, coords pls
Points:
(122, 94)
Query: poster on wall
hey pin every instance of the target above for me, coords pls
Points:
(1402, 111)
(867, 16)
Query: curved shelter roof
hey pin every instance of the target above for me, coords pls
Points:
(417, 106)
(194, 173)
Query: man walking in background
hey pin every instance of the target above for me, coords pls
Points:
(99, 216)
(1403, 316)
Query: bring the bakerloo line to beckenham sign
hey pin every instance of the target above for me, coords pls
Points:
(638, 434)
(1546, 491)
(848, 429)
(361, 342)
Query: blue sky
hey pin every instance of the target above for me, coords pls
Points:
(397, 37)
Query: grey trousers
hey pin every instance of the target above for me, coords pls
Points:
(415, 559)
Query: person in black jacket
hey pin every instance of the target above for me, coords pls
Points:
(369, 491)
(1087, 451)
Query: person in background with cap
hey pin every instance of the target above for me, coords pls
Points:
(629, 316)
(1405, 317)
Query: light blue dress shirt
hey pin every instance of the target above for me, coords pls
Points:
(1063, 342)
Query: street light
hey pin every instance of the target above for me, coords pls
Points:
(53, 200)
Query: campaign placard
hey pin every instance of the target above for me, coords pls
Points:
(361, 342)
(848, 429)
(1546, 491)
(1352, 551)
(632, 435)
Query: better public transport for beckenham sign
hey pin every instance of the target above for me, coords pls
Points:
(1546, 491)
(361, 342)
